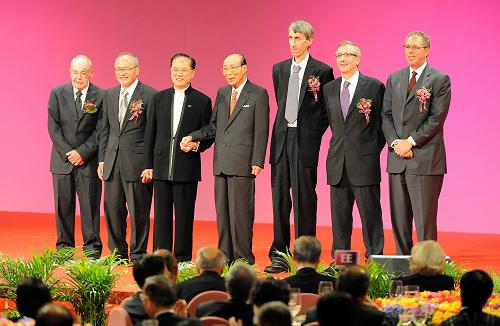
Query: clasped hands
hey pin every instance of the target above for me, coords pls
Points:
(74, 158)
(402, 148)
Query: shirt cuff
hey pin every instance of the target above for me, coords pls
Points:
(394, 143)
(410, 139)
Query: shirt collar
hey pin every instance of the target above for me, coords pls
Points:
(353, 80)
(131, 89)
(84, 91)
(240, 88)
(180, 91)
(419, 70)
(302, 64)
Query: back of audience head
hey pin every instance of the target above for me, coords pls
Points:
(54, 315)
(240, 281)
(274, 313)
(210, 259)
(427, 258)
(476, 287)
(307, 250)
(270, 290)
(31, 295)
(148, 266)
(159, 292)
(335, 308)
(170, 263)
(354, 280)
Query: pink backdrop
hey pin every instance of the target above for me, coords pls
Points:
(40, 37)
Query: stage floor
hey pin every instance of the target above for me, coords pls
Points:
(25, 233)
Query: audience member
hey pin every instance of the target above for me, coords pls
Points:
(334, 308)
(170, 263)
(270, 290)
(31, 295)
(274, 313)
(54, 315)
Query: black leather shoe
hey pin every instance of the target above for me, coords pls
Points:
(276, 267)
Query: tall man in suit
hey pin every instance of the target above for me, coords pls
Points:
(174, 113)
(300, 122)
(240, 126)
(121, 161)
(354, 103)
(416, 104)
(75, 109)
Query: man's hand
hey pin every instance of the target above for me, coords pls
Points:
(100, 171)
(256, 170)
(180, 308)
(402, 147)
(147, 175)
(74, 158)
(187, 144)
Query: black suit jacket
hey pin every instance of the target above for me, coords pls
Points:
(226, 310)
(170, 319)
(312, 118)
(362, 315)
(432, 283)
(307, 280)
(69, 131)
(354, 143)
(128, 142)
(135, 309)
(207, 281)
(240, 139)
(160, 143)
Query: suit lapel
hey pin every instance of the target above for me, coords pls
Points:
(136, 96)
(68, 95)
(303, 86)
(91, 97)
(358, 94)
(336, 109)
(185, 107)
(425, 76)
(242, 99)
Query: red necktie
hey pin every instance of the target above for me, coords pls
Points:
(233, 102)
(412, 82)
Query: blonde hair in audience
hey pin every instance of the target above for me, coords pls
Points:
(427, 258)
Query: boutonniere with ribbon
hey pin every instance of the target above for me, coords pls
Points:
(314, 84)
(89, 107)
(136, 109)
(423, 94)
(364, 106)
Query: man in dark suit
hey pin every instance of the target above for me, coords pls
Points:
(416, 103)
(210, 263)
(74, 112)
(239, 282)
(174, 113)
(354, 104)
(121, 161)
(240, 126)
(301, 120)
(306, 254)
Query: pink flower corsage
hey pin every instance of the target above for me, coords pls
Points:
(364, 106)
(314, 84)
(89, 107)
(136, 109)
(423, 94)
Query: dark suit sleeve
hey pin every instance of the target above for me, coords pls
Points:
(104, 131)
(326, 77)
(378, 114)
(276, 82)
(208, 132)
(388, 127)
(261, 129)
(150, 133)
(438, 110)
(207, 113)
(55, 130)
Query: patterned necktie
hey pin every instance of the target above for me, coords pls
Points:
(345, 99)
(233, 102)
(78, 103)
(123, 107)
(292, 97)
(412, 83)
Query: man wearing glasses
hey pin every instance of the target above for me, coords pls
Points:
(121, 148)
(240, 126)
(416, 104)
(174, 113)
(354, 104)
(300, 123)
(74, 112)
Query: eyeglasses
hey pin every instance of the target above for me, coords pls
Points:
(230, 69)
(178, 70)
(83, 73)
(345, 55)
(123, 69)
(413, 47)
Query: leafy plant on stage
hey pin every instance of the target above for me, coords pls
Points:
(91, 282)
(455, 271)
(379, 279)
(496, 280)
(187, 270)
(228, 266)
(286, 259)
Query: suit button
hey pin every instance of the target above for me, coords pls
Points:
(224, 145)
(226, 132)
(405, 123)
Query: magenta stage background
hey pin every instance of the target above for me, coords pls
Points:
(40, 37)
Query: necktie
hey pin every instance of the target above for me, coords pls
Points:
(78, 103)
(412, 82)
(345, 99)
(292, 97)
(123, 107)
(233, 102)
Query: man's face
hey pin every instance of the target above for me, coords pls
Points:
(126, 71)
(415, 51)
(299, 45)
(181, 72)
(347, 60)
(80, 73)
(234, 72)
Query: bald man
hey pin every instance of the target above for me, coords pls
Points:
(75, 109)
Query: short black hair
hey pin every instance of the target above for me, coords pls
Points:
(335, 308)
(274, 313)
(31, 295)
(148, 266)
(476, 287)
(54, 315)
(354, 280)
(270, 289)
(161, 290)
(183, 55)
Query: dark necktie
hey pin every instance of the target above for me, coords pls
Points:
(345, 99)
(412, 82)
(78, 103)
(233, 102)
(292, 97)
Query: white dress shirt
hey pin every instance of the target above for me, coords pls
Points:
(84, 94)
(352, 86)
(302, 70)
(179, 96)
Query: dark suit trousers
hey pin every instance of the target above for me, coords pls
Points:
(66, 186)
(235, 208)
(290, 173)
(413, 196)
(118, 195)
(182, 196)
(367, 198)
